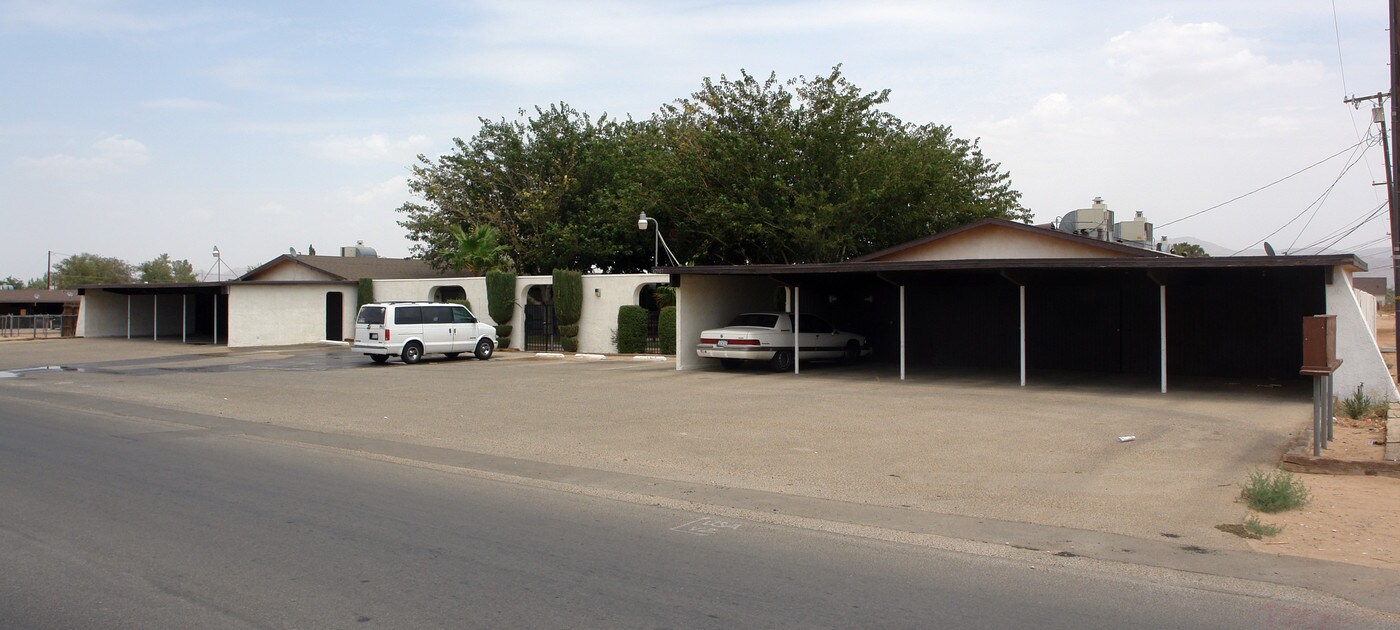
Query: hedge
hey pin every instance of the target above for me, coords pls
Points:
(631, 330)
(568, 306)
(365, 294)
(500, 302)
(666, 330)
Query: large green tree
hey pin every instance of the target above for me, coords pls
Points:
(744, 170)
(163, 269)
(81, 269)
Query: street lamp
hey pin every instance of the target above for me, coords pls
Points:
(658, 243)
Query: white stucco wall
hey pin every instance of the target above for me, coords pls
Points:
(102, 314)
(1356, 342)
(292, 272)
(284, 315)
(997, 242)
(597, 318)
(704, 302)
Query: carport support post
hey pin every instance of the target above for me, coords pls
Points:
(1023, 335)
(901, 332)
(1162, 299)
(796, 339)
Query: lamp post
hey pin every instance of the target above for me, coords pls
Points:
(218, 271)
(657, 243)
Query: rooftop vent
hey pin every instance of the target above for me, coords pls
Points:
(358, 250)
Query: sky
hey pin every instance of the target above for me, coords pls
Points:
(131, 129)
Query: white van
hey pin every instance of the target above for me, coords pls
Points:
(408, 330)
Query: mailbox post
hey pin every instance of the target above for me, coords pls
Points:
(1320, 361)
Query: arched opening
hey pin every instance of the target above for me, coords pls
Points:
(449, 292)
(541, 327)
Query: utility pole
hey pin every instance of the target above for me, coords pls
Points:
(1389, 174)
(48, 273)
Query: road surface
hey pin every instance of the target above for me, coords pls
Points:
(111, 521)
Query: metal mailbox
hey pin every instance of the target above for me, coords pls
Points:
(1320, 343)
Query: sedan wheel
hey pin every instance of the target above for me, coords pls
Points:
(781, 361)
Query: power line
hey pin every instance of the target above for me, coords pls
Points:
(1316, 202)
(1365, 217)
(1327, 193)
(1265, 186)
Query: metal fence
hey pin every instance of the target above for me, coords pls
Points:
(653, 339)
(38, 326)
(541, 328)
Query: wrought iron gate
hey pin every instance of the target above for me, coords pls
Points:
(541, 328)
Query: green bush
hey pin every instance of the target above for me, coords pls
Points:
(665, 295)
(568, 330)
(365, 294)
(568, 296)
(570, 343)
(500, 295)
(1262, 530)
(1276, 491)
(503, 333)
(631, 329)
(1359, 405)
(666, 330)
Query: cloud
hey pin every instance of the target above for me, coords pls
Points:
(78, 16)
(1174, 61)
(108, 153)
(387, 194)
(375, 147)
(180, 104)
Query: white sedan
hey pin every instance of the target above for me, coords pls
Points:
(768, 337)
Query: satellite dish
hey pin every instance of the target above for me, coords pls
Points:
(1269, 249)
(292, 251)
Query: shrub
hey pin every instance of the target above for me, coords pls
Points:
(568, 296)
(365, 293)
(500, 296)
(568, 330)
(631, 329)
(1275, 491)
(665, 295)
(666, 330)
(570, 343)
(1254, 526)
(500, 302)
(1359, 405)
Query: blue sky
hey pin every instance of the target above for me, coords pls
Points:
(130, 129)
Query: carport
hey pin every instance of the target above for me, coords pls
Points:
(1149, 315)
(193, 312)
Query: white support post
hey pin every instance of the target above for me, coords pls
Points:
(1162, 299)
(128, 317)
(1023, 335)
(184, 317)
(901, 332)
(796, 328)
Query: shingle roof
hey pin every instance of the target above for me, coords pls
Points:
(1116, 248)
(355, 267)
(27, 296)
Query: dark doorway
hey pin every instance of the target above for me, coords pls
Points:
(541, 328)
(335, 316)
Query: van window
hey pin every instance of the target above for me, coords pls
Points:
(437, 314)
(460, 315)
(408, 315)
(371, 315)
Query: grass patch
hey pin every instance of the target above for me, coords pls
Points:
(1272, 492)
(1359, 405)
(1261, 529)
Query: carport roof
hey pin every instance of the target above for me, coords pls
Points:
(1350, 261)
(161, 288)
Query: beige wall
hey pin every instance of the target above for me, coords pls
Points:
(283, 315)
(704, 302)
(1362, 363)
(997, 242)
(603, 294)
(288, 271)
(103, 314)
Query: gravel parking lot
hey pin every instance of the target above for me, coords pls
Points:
(984, 447)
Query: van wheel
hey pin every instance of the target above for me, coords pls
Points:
(781, 361)
(379, 358)
(412, 353)
(484, 349)
(452, 355)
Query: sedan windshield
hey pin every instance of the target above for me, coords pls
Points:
(760, 320)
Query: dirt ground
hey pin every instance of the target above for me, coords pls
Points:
(1351, 518)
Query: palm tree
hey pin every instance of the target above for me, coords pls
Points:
(476, 252)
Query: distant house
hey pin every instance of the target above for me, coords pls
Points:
(37, 301)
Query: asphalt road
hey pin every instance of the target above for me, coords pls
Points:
(110, 521)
